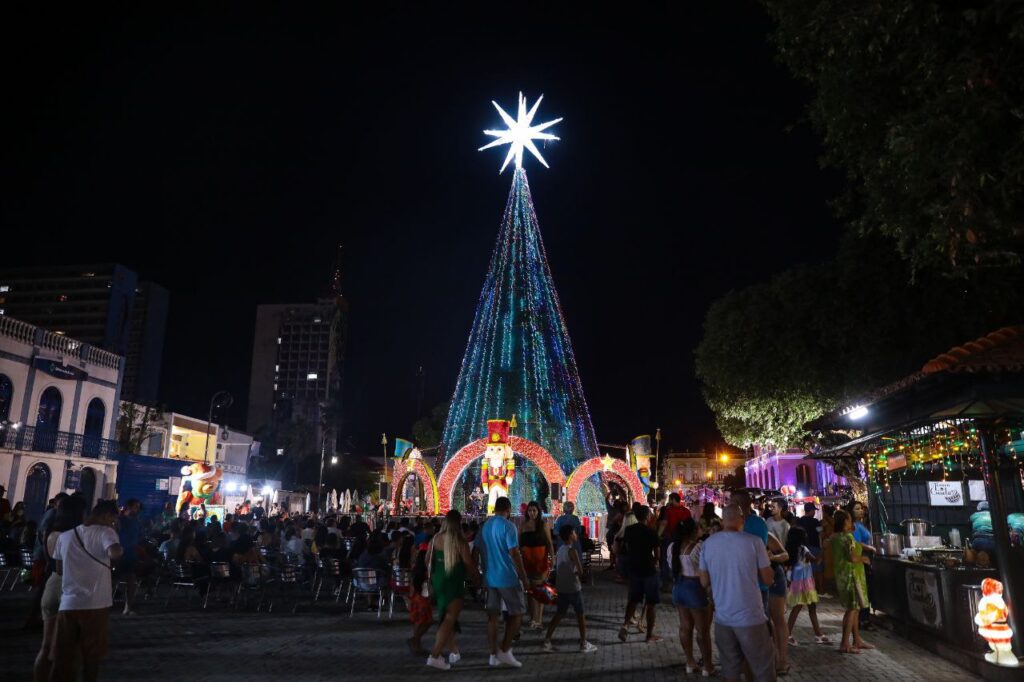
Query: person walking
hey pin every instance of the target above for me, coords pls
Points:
(506, 581)
(777, 524)
(812, 528)
(669, 518)
(777, 591)
(568, 570)
(642, 547)
(732, 563)
(568, 517)
(128, 534)
(449, 563)
(538, 552)
(84, 556)
(707, 517)
(70, 516)
(690, 597)
(802, 590)
(851, 583)
(862, 534)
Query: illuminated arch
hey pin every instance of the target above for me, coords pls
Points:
(405, 467)
(469, 453)
(615, 468)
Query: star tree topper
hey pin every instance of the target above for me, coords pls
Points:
(520, 133)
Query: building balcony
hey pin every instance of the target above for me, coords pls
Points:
(32, 439)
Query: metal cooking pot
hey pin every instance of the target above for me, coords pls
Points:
(916, 527)
(889, 544)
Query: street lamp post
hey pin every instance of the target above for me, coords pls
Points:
(384, 477)
(228, 399)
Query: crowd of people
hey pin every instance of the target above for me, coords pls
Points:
(740, 573)
(733, 575)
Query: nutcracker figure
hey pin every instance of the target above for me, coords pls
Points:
(498, 467)
(991, 621)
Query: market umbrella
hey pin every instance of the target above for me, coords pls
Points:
(309, 498)
(274, 500)
(333, 504)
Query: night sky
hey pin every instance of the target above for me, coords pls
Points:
(224, 153)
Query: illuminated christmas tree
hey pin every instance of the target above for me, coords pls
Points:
(519, 359)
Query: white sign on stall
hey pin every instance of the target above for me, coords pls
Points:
(923, 600)
(162, 484)
(174, 485)
(976, 490)
(946, 493)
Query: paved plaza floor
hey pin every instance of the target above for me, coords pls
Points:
(323, 643)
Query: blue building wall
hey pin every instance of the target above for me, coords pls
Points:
(137, 477)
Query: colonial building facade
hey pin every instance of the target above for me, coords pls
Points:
(59, 401)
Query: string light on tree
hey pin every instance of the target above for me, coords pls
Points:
(519, 358)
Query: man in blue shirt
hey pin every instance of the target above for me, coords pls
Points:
(505, 579)
(128, 533)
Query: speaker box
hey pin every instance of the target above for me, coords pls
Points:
(385, 489)
(556, 491)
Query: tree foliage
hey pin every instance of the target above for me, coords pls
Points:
(428, 431)
(778, 354)
(921, 104)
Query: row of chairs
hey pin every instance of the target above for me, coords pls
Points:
(12, 571)
(283, 577)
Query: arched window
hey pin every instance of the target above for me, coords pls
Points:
(37, 491)
(93, 432)
(48, 420)
(6, 397)
(87, 486)
(803, 478)
(772, 477)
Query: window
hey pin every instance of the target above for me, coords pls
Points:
(6, 396)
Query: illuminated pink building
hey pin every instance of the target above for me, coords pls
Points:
(771, 469)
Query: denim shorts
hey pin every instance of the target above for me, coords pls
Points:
(689, 593)
(573, 599)
(778, 586)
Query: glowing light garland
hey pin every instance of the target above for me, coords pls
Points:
(460, 461)
(519, 359)
(412, 466)
(610, 468)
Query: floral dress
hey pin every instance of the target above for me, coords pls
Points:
(851, 583)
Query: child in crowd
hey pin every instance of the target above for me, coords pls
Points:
(801, 587)
(420, 614)
(568, 570)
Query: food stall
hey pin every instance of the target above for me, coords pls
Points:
(940, 455)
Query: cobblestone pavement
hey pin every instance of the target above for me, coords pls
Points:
(323, 643)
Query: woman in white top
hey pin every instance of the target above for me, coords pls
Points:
(690, 598)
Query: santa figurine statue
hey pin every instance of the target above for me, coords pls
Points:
(991, 621)
(498, 467)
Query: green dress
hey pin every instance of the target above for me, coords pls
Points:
(851, 583)
(447, 586)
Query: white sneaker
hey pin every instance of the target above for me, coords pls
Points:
(438, 663)
(548, 646)
(507, 658)
(587, 648)
(454, 658)
(493, 661)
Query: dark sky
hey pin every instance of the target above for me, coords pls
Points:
(225, 152)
